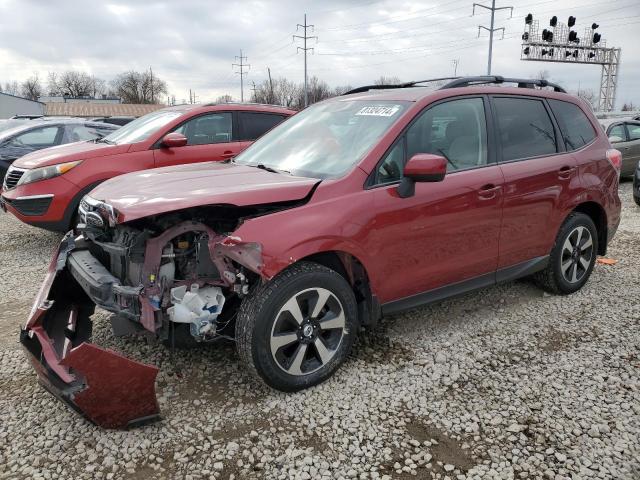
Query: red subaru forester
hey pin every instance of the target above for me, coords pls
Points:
(377, 201)
(44, 188)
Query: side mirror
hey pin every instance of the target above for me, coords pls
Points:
(422, 167)
(615, 139)
(173, 140)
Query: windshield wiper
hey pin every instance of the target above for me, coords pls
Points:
(262, 166)
(104, 140)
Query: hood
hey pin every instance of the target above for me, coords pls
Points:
(68, 153)
(161, 190)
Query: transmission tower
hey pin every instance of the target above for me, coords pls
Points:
(304, 48)
(242, 72)
(559, 43)
(491, 29)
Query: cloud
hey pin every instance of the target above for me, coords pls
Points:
(191, 44)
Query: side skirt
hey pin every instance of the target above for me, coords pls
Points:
(460, 288)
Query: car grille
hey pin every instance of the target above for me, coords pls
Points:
(12, 177)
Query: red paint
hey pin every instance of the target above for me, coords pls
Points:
(426, 166)
(101, 162)
(118, 390)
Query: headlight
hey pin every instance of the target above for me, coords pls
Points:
(44, 173)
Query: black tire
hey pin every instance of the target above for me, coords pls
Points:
(637, 200)
(262, 312)
(552, 278)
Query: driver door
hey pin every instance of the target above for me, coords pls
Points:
(210, 137)
(448, 231)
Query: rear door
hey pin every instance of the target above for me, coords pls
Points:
(539, 175)
(633, 132)
(210, 137)
(252, 125)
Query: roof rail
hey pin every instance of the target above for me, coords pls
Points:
(397, 85)
(465, 82)
(522, 82)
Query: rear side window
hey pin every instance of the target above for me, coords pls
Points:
(618, 131)
(634, 131)
(254, 125)
(574, 124)
(525, 128)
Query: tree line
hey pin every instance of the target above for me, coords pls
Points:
(130, 87)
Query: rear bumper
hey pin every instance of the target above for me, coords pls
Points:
(107, 388)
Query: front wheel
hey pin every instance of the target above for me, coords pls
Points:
(572, 257)
(295, 331)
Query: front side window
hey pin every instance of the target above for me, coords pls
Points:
(634, 131)
(254, 125)
(574, 124)
(525, 128)
(38, 138)
(208, 129)
(325, 140)
(142, 128)
(455, 129)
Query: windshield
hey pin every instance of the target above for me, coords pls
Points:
(142, 128)
(13, 125)
(325, 140)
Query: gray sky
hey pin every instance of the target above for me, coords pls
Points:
(192, 43)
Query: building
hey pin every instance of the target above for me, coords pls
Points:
(70, 99)
(11, 105)
(100, 109)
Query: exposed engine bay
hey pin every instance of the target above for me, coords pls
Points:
(178, 272)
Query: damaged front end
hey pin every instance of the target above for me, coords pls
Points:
(155, 275)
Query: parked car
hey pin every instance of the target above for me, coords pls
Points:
(357, 207)
(45, 188)
(19, 137)
(636, 185)
(115, 120)
(624, 135)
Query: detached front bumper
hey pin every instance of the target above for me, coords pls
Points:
(107, 388)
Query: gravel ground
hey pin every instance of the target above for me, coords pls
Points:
(507, 382)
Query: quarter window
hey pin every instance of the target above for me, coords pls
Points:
(254, 125)
(525, 128)
(618, 131)
(39, 137)
(208, 129)
(634, 131)
(455, 129)
(390, 170)
(574, 124)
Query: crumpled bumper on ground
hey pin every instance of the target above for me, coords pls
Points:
(107, 388)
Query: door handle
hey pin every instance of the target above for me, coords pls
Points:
(566, 172)
(488, 191)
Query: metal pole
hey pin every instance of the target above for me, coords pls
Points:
(306, 94)
(493, 11)
(241, 79)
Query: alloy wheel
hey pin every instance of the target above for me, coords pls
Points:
(577, 253)
(307, 331)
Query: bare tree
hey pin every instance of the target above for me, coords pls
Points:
(31, 88)
(628, 107)
(279, 91)
(139, 87)
(12, 88)
(341, 90)
(387, 81)
(318, 90)
(73, 83)
(543, 75)
(226, 98)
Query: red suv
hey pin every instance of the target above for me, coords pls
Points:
(44, 188)
(367, 204)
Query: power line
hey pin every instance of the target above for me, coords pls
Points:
(241, 72)
(491, 29)
(305, 49)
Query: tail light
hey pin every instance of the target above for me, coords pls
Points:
(615, 158)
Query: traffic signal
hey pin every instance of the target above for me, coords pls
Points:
(571, 22)
(596, 37)
(554, 21)
(592, 54)
(526, 51)
(525, 36)
(528, 19)
(575, 54)
(547, 52)
(594, 26)
(547, 35)
(573, 36)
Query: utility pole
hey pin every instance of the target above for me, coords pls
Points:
(271, 99)
(455, 63)
(253, 88)
(492, 29)
(242, 65)
(304, 38)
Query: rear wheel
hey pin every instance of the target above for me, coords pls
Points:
(296, 330)
(572, 257)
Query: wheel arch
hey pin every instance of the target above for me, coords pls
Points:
(595, 211)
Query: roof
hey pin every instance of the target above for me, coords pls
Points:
(88, 109)
(610, 121)
(21, 98)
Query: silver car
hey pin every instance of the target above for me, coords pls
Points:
(624, 135)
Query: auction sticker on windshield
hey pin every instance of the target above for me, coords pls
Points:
(379, 110)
